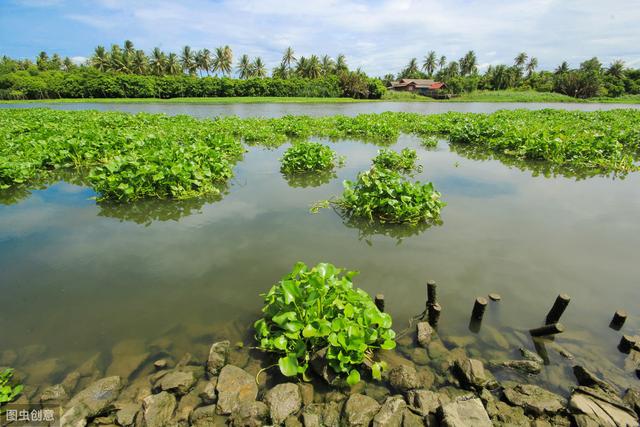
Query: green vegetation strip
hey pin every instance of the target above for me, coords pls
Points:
(141, 156)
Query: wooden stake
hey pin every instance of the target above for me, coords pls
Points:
(431, 292)
(619, 317)
(561, 303)
(478, 308)
(379, 301)
(626, 343)
(554, 328)
(434, 314)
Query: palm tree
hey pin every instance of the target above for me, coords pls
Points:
(157, 62)
(288, 58)
(203, 60)
(244, 67)
(258, 69)
(327, 65)
(100, 59)
(67, 64)
(128, 47)
(223, 60)
(430, 62)
(412, 67)
(188, 61)
(341, 63)
(531, 65)
(520, 59)
(302, 66)
(562, 68)
(616, 68)
(468, 63)
(55, 63)
(139, 63)
(442, 62)
(314, 68)
(173, 65)
(280, 72)
(453, 69)
(42, 61)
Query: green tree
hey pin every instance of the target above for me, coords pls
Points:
(42, 61)
(140, 62)
(327, 65)
(616, 69)
(258, 68)
(469, 63)
(442, 62)
(204, 60)
(562, 68)
(188, 61)
(430, 63)
(223, 60)
(341, 63)
(173, 65)
(100, 59)
(158, 62)
(244, 67)
(520, 60)
(67, 64)
(411, 69)
(314, 68)
(288, 58)
(531, 66)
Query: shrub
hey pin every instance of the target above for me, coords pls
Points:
(384, 195)
(405, 161)
(307, 157)
(318, 311)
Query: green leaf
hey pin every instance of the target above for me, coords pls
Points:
(280, 342)
(353, 378)
(288, 366)
(376, 371)
(388, 345)
(309, 331)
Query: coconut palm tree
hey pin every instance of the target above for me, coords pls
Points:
(258, 69)
(531, 66)
(468, 63)
(42, 61)
(100, 59)
(429, 64)
(139, 63)
(188, 60)
(203, 60)
(128, 47)
(453, 69)
(302, 66)
(616, 69)
(341, 63)
(55, 63)
(520, 59)
(314, 68)
(117, 62)
(442, 62)
(327, 66)
(244, 67)
(223, 60)
(280, 72)
(562, 68)
(174, 66)
(157, 62)
(67, 64)
(411, 68)
(288, 58)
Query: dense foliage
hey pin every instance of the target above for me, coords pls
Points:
(314, 311)
(404, 161)
(8, 391)
(137, 156)
(386, 196)
(308, 157)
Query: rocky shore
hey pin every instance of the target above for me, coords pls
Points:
(429, 382)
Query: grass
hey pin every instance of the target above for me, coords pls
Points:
(514, 96)
(203, 100)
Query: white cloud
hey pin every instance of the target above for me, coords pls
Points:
(380, 36)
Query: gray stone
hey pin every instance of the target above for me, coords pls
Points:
(494, 337)
(632, 399)
(420, 356)
(587, 378)
(437, 349)
(70, 381)
(217, 357)
(307, 392)
(126, 413)
(425, 331)
(472, 373)
(292, 421)
(158, 409)
(376, 391)
(54, 395)
(187, 404)
(234, 385)
(425, 402)
(529, 367)
(390, 415)
(283, 400)
(601, 408)
(404, 378)
(360, 410)
(91, 402)
(176, 381)
(465, 412)
(209, 394)
(331, 413)
(250, 414)
(312, 415)
(161, 364)
(409, 419)
(461, 341)
(534, 400)
(530, 355)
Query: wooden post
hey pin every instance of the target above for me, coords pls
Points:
(626, 343)
(431, 292)
(554, 328)
(379, 301)
(619, 317)
(541, 349)
(434, 314)
(562, 301)
(475, 325)
(478, 308)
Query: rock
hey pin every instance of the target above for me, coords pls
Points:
(425, 402)
(321, 367)
(158, 409)
(425, 331)
(404, 378)
(599, 408)
(161, 364)
(331, 413)
(505, 415)
(312, 415)
(234, 385)
(587, 378)
(292, 421)
(91, 365)
(306, 391)
(437, 349)
(458, 354)
(91, 402)
(208, 394)
(376, 391)
(419, 355)
(250, 414)
(70, 381)
(204, 415)
(176, 381)
(360, 410)
(530, 355)
(283, 400)
(632, 399)
(127, 357)
(217, 357)
(534, 400)
(494, 337)
(409, 419)
(465, 412)
(136, 391)
(54, 395)
(390, 415)
(472, 374)
(43, 371)
(461, 341)
(187, 404)
(126, 413)
(529, 367)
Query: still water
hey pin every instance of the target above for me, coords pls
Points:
(78, 277)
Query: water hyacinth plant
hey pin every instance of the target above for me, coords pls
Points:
(314, 311)
(386, 196)
(307, 157)
(404, 161)
(8, 392)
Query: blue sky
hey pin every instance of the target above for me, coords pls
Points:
(380, 36)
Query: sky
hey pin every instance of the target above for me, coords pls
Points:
(379, 36)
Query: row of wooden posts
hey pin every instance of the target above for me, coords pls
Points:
(552, 324)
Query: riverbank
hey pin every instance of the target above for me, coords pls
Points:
(429, 381)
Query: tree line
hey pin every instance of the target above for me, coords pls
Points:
(592, 78)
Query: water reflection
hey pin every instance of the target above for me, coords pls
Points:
(311, 179)
(368, 229)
